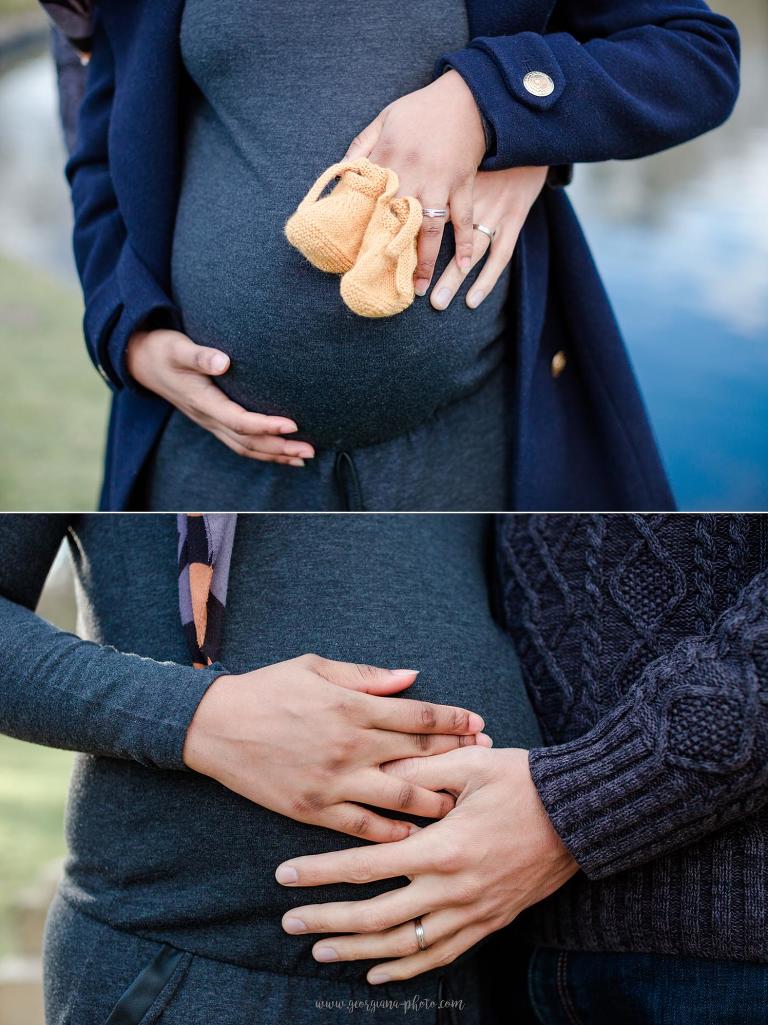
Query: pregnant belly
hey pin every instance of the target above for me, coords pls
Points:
(204, 878)
(297, 351)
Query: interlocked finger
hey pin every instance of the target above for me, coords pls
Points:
(443, 952)
(402, 941)
(499, 257)
(436, 215)
(452, 278)
(404, 715)
(362, 916)
(387, 746)
(382, 791)
(355, 820)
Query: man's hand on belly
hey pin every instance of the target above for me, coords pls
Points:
(172, 366)
(471, 873)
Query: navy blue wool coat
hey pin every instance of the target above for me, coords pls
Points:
(631, 77)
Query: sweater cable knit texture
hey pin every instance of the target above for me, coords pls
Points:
(644, 643)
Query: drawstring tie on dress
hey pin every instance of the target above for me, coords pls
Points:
(348, 482)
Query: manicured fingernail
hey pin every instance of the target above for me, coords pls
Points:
(465, 263)
(302, 451)
(475, 297)
(286, 874)
(483, 740)
(442, 298)
(294, 925)
(402, 673)
(297, 462)
(421, 286)
(288, 428)
(325, 954)
(475, 722)
(219, 361)
(378, 977)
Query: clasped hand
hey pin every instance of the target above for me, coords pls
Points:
(471, 873)
(307, 737)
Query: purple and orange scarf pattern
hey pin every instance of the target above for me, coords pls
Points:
(205, 543)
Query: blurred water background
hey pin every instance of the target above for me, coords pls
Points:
(681, 239)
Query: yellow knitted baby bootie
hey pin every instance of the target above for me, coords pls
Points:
(381, 282)
(329, 231)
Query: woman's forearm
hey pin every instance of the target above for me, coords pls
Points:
(61, 691)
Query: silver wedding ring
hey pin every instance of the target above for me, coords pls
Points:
(420, 939)
(435, 211)
(490, 232)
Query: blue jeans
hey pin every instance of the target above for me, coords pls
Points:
(581, 988)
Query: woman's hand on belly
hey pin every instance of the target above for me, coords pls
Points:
(306, 738)
(471, 873)
(172, 366)
(434, 139)
(502, 201)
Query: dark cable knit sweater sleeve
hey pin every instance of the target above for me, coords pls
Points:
(685, 754)
(61, 691)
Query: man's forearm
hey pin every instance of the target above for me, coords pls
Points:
(683, 756)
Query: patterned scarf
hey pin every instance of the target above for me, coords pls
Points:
(74, 18)
(205, 554)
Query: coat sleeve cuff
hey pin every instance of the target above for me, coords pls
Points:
(608, 795)
(129, 298)
(559, 175)
(503, 99)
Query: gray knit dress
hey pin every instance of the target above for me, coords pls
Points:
(160, 855)
(418, 403)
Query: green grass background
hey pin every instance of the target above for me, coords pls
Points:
(14, 6)
(33, 784)
(54, 424)
(54, 403)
